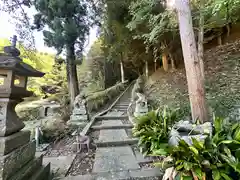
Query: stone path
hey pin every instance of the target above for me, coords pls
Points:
(115, 157)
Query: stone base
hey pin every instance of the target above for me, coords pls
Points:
(9, 143)
(79, 112)
(43, 173)
(137, 114)
(42, 147)
(77, 123)
(79, 118)
(29, 169)
(14, 161)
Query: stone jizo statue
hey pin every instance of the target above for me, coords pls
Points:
(139, 100)
(80, 114)
(141, 105)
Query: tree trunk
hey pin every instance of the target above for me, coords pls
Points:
(165, 61)
(219, 38)
(72, 73)
(122, 69)
(192, 65)
(201, 38)
(146, 70)
(155, 65)
(228, 30)
(172, 61)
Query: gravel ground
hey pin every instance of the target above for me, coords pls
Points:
(83, 163)
(62, 148)
(94, 135)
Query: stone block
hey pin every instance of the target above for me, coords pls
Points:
(9, 143)
(115, 163)
(29, 169)
(14, 161)
(77, 123)
(79, 111)
(42, 174)
(9, 121)
(146, 173)
(79, 118)
(60, 164)
(114, 159)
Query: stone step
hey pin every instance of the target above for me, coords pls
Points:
(115, 107)
(42, 174)
(60, 164)
(120, 107)
(123, 126)
(120, 104)
(127, 141)
(111, 117)
(29, 169)
(121, 175)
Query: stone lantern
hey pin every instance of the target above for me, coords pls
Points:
(17, 151)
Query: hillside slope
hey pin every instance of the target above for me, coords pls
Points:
(222, 82)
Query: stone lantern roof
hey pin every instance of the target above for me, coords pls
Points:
(17, 65)
(10, 60)
(13, 68)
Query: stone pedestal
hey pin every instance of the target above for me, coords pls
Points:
(79, 115)
(141, 108)
(17, 152)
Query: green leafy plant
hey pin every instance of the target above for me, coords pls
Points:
(153, 130)
(217, 157)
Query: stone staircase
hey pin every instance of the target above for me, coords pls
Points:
(115, 156)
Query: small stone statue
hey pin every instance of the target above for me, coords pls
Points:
(79, 115)
(138, 99)
(141, 105)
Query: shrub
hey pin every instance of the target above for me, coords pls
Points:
(153, 130)
(217, 157)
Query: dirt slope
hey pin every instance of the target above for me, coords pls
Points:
(222, 73)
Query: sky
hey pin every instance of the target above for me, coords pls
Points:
(7, 30)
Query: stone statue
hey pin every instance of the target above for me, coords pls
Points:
(141, 105)
(79, 104)
(80, 114)
(138, 99)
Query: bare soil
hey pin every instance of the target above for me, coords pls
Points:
(222, 85)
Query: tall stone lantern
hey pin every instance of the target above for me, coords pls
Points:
(17, 151)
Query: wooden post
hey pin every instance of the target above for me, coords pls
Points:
(191, 61)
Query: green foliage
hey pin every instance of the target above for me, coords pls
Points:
(153, 130)
(66, 21)
(98, 99)
(40, 61)
(218, 154)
